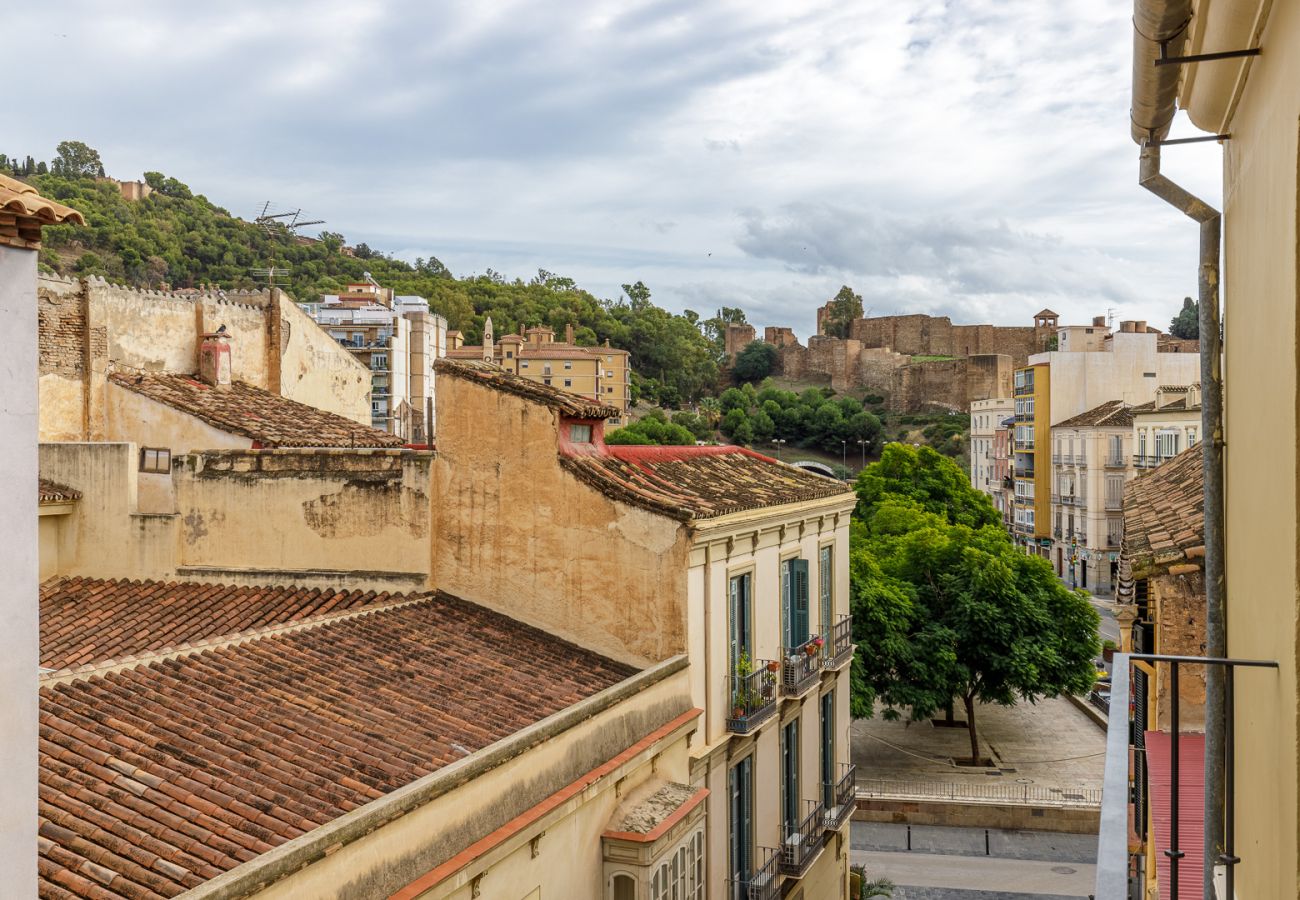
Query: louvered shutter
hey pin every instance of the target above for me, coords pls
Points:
(799, 618)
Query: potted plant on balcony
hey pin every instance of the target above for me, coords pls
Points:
(1108, 648)
(774, 666)
(744, 668)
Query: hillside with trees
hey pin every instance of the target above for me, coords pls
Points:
(176, 238)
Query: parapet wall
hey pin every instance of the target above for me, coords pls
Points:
(922, 335)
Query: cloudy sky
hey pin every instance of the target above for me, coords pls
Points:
(968, 158)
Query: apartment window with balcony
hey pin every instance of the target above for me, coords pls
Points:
(828, 748)
(1142, 443)
(790, 776)
(546, 368)
(794, 603)
(1166, 444)
(826, 591)
(379, 361)
(740, 617)
(740, 787)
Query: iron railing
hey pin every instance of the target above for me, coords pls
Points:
(803, 840)
(801, 667)
(1115, 462)
(840, 797)
(839, 649)
(1015, 794)
(1080, 459)
(1146, 461)
(763, 883)
(752, 697)
(1113, 865)
(1056, 457)
(1114, 503)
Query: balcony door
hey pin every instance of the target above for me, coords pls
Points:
(740, 618)
(790, 776)
(828, 749)
(741, 791)
(794, 602)
(826, 592)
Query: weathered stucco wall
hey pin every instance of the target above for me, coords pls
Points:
(518, 533)
(313, 369)
(147, 423)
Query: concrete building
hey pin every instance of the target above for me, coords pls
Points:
(1101, 366)
(1092, 459)
(989, 459)
(23, 213)
(644, 552)
(398, 340)
(1166, 426)
(600, 374)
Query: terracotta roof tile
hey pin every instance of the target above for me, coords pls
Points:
(156, 778)
(493, 376)
(697, 482)
(1111, 414)
(261, 416)
(51, 492)
(91, 620)
(23, 212)
(1164, 515)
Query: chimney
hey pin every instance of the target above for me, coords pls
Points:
(1098, 321)
(1140, 326)
(568, 333)
(1126, 327)
(214, 358)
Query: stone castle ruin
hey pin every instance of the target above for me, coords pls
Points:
(918, 362)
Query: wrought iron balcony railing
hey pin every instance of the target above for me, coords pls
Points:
(1115, 462)
(752, 696)
(803, 840)
(839, 649)
(801, 667)
(840, 797)
(764, 883)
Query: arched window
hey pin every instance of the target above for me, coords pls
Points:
(624, 887)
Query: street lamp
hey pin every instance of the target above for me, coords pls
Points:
(844, 452)
(778, 442)
(862, 443)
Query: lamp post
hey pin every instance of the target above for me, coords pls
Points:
(862, 443)
(844, 453)
(778, 442)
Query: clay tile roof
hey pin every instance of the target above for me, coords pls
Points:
(1043, 312)
(49, 492)
(496, 378)
(1111, 414)
(91, 620)
(1164, 515)
(261, 416)
(698, 482)
(157, 778)
(23, 212)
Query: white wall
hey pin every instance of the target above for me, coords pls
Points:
(19, 636)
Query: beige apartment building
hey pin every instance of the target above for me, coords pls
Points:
(1251, 98)
(1166, 426)
(1091, 461)
(989, 460)
(600, 374)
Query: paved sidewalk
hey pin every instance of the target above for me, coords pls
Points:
(983, 876)
(1050, 745)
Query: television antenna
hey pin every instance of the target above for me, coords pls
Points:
(281, 222)
(1110, 317)
(274, 275)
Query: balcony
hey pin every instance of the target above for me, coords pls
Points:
(804, 841)
(1056, 532)
(1145, 461)
(1115, 462)
(764, 883)
(1080, 459)
(1022, 390)
(1022, 528)
(1113, 541)
(801, 667)
(1024, 445)
(839, 649)
(841, 798)
(1026, 474)
(1143, 770)
(753, 696)
(1114, 503)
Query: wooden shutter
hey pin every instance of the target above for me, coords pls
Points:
(824, 579)
(799, 617)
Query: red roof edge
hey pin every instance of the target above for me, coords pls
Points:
(638, 453)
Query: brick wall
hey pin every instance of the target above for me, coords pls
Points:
(780, 336)
(737, 338)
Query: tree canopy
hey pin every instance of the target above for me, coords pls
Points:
(946, 607)
(1187, 324)
(653, 428)
(815, 418)
(755, 362)
(845, 306)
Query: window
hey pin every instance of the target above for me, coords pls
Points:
(568, 382)
(681, 875)
(523, 363)
(155, 459)
(568, 364)
(580, 434)
(794, 602)
(546, 381)
(1166, 444)
(1191, 437)
(510, 354)
(790, 776)
(609, 390)
(828, 748)
(740, 788)
(624, 887)
(740, 617)
(379, 361)
(825, 585)
(546, 368)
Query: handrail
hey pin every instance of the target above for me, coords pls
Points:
(802, 842)
(763, 882)
(752, 696)
(800, 666)
(840, 647)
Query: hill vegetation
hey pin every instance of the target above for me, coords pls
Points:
(176, 238)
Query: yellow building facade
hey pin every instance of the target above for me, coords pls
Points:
(1031, 444)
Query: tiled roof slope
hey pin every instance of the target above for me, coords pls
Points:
(697, 482)
(23, 212)
(158, 778)
(493, 376)
(1164, 515)
(1111, 414)
(51, 492)
(261, 416)
(92, 620)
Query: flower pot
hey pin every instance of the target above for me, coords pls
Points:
(774, 666)
(1108, 654)
(811, 650)
(738, 712)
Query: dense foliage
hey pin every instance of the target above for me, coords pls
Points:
(176, 238)
(813, 419)
(653, 428)
(1187, 323)
(755, 362)
(946, 608)
(845, 306)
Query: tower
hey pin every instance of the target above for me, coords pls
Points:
(488, 340)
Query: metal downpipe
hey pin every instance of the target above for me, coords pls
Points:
(1216, 623)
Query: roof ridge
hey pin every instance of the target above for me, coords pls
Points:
(233, 639)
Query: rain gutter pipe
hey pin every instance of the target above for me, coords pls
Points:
(1159, 32)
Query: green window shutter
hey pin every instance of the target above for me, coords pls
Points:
(799, 612)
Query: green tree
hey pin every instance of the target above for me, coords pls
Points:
(76, 160)
(845, 306)
(755, 362)
(1187, 324)
(947, 604)
(653, 428)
